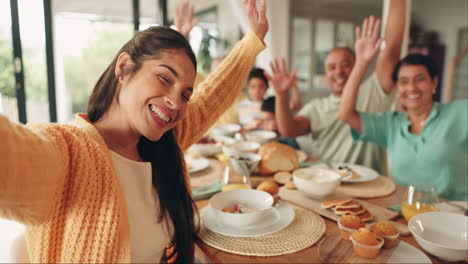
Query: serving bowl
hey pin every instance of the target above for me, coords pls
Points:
(255, 204)
(227, 130)
(240, 146)
(260, 136)
(316, 183)
(444, 235)
(245, 163)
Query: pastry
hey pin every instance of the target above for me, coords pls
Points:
(277, 157)
(268, 186)
(352, 204)
(388, 232)
(282, 177)
(348, 224)
(331, 203)
(290, 185)
(366, 216)
(366, 243)
(353, 211)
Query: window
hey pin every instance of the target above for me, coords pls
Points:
(31, 19)
(87, 37)
(205, 40)
(313, 38)
(301, 56)
(8, 102)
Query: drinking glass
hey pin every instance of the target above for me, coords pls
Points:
(232, 180)
(420, 198)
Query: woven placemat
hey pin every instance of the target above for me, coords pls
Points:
(209, 175)
(305, 230)
(381, 186)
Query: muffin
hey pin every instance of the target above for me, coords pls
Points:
(366, 244)
(268, 186)
(348, 224)
(388, 232)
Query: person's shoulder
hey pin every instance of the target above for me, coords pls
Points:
(459, 104)
(456, 110)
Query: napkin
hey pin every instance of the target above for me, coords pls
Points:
(206, 191)
(306, 164)
(395, 208)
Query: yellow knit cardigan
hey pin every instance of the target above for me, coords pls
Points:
(59, 179)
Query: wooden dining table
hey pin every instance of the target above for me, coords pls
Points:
(310, 255)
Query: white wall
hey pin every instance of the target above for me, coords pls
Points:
(446, 18)
(277, 38)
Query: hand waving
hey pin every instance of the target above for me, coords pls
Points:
(367, 40)
(257, 19)
(280, 79)
(184, 20)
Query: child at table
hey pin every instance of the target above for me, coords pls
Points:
(249, 108)
(268, 122)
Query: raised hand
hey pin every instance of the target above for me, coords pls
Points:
(184, 20)
(280, 79)
(367, 39)
(257, 18)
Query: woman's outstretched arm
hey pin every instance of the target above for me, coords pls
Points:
(218, 91)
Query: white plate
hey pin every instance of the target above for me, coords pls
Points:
(275, 220)
(365, 174)
(406, 253)
(450, 208)
(198, 164)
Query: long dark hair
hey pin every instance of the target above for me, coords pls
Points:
(168, 172)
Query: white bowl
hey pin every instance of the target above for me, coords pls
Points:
(444, 235)
(207, 150)
(224, 139)
(245, 163)
(254, 202)
(240, 146)
(229, 151)
(260, 136)
(316, 183)
(225, 130)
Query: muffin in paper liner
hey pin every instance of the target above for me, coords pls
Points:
(390, 241)
(388, 232)
(365, 251)
(345, 232)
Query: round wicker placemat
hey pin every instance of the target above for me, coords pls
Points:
(381, 186)
(305, 230)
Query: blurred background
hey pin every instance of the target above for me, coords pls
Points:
(52, 52)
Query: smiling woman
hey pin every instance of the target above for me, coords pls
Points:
(113, 187)
(427, 142)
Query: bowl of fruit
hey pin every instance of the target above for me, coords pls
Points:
(241, 207)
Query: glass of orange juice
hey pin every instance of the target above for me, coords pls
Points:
(421, 198)
(232, 180)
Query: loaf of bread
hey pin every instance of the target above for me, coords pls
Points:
(277, 157)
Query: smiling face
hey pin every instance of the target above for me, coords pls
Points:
(338, 66)
(155, 98)
(415, 87)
